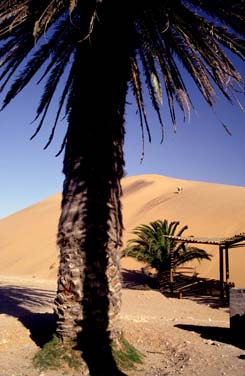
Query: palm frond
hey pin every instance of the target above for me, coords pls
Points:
(50, 11)
(50, 88)
(164, 36)
(187, 254)
(63, 98)
(192, 32)
(137, 91)
(228, 12)
(153, 246)
(149, 69)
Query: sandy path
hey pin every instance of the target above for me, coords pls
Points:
(178, 337)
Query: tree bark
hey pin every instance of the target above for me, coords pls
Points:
(89, 235)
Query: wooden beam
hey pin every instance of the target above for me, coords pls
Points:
(227, 273)
(238, 245)
(221, 273)
(171, 277)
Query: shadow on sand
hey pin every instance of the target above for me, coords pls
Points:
(19, 302)
(138, 280)
(33, 307)
(22, 303)
(214, 333)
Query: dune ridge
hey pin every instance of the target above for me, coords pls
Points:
(28, 237)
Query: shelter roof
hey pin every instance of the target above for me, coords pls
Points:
(229, 241)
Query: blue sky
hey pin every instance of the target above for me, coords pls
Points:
(200, 150)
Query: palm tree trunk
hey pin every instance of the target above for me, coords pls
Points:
(90, 227)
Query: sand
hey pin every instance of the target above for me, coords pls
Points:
(28, 237)
(176, 337)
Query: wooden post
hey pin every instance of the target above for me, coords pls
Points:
(227, 273)
(171, 278)
(221, 273)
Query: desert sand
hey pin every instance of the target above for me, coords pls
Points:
(176, 336)
(186, 337)
(28, 237)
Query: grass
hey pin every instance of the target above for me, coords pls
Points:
(55, 355)
(127, 355)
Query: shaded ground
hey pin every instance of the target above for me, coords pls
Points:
(176, 336)
(196, 289)
(24, 304)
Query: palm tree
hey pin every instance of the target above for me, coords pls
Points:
(95, 50)
(153, 246)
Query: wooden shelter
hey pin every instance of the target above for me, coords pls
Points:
(224, 245)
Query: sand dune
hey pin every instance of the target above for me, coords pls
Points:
(27, 238)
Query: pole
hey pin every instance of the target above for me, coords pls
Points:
(171, 278)
(227, 273)
(221, 273)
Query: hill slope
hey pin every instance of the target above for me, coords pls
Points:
(27, 238)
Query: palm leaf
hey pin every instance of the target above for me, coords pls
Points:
(163, 33)
(153, 246)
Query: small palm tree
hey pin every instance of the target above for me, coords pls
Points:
(159, 251)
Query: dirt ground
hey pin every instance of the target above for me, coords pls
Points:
(188, 337)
